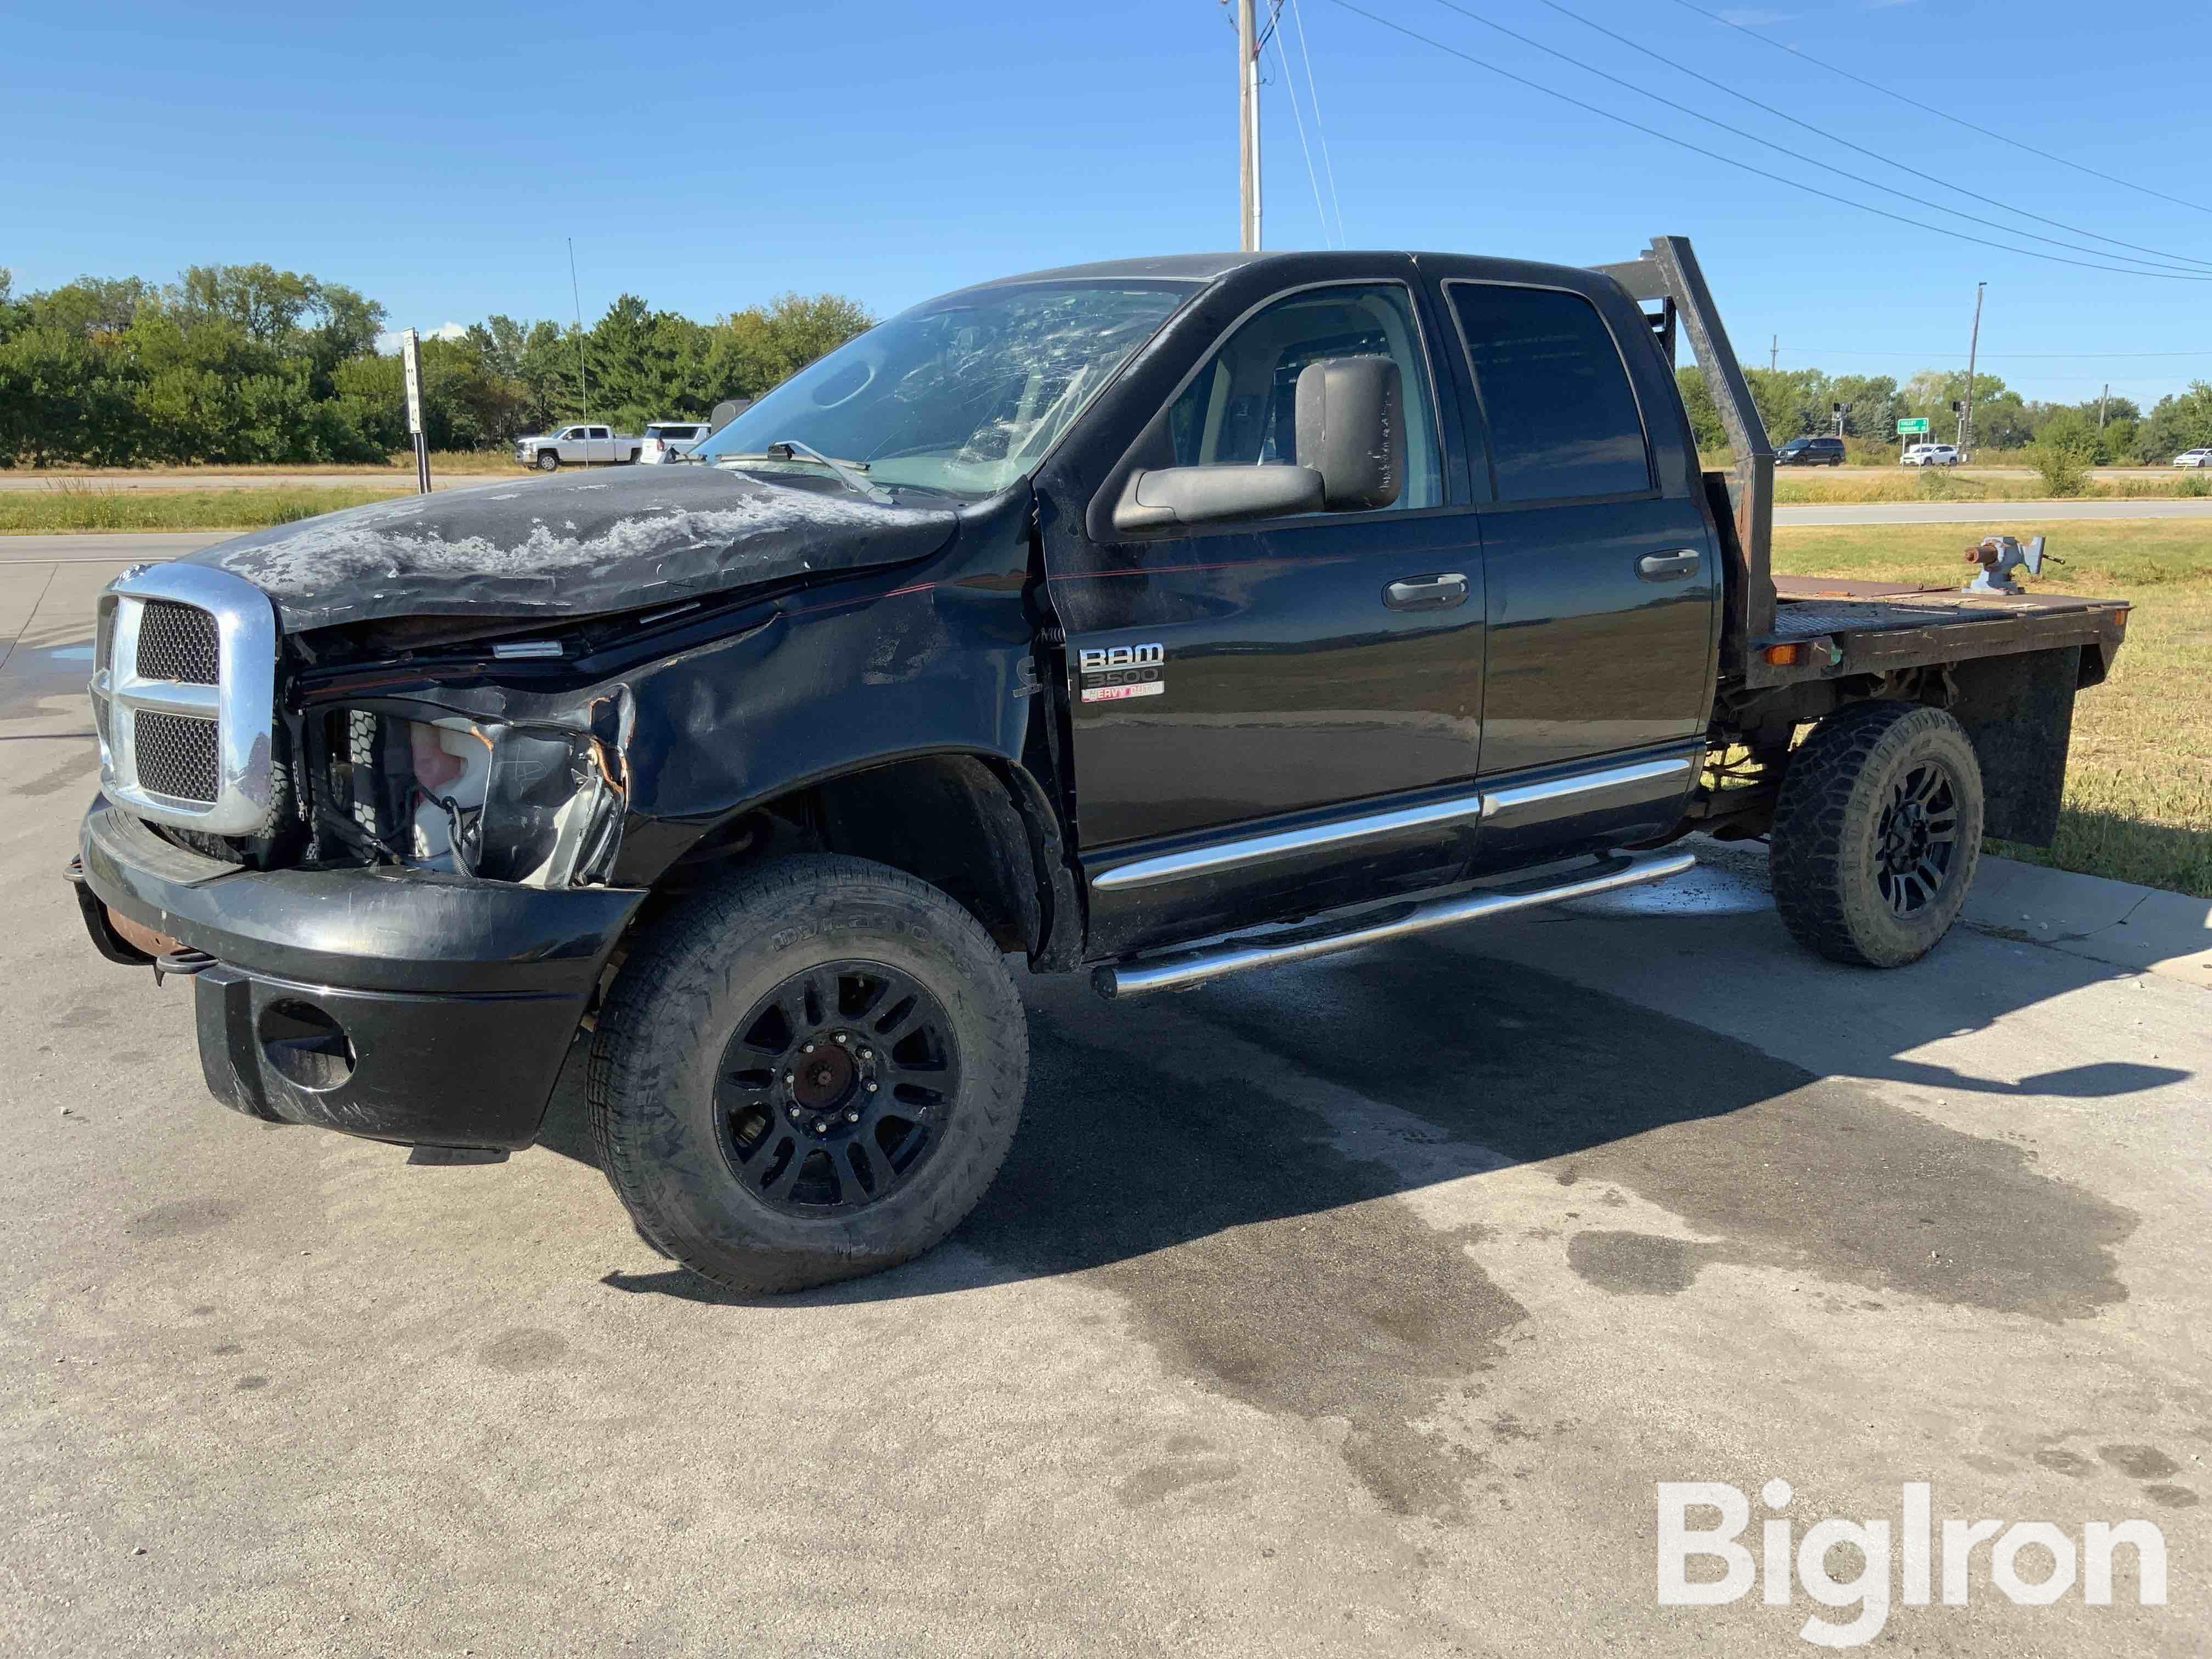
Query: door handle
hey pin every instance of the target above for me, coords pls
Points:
(1438, 592)
(1665, 566)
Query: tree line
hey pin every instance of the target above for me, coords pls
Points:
(250, 364)
(1797, 401)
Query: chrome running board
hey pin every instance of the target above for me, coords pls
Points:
(1183, 969)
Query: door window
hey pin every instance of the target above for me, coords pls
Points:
(598, 432)
(1563, 418)
(1241, 407)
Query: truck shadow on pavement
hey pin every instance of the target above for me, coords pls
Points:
(1239, 1154)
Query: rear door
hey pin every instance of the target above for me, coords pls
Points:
(1601, 575)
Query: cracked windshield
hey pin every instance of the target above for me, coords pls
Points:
(964, 395)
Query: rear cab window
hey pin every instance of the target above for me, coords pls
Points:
(1563, 418)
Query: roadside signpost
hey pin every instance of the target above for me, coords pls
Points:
(1915, 427)
(411, 359)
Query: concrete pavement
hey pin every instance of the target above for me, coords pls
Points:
(1353, 1308)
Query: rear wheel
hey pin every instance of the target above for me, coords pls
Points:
(809, 1073)
(1877, 833)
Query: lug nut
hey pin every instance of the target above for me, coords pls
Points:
(852, 1117)
(839, 1039)
(821, 1126)
(794, 1111)
(867, 1054)
(807, 1049)
(790, 1077)
(871, 1088)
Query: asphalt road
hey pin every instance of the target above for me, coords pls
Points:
(1985, 512)
(1356, 1308)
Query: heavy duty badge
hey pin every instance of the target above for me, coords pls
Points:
(1110, 673)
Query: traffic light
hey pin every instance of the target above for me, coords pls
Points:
(1957, 405)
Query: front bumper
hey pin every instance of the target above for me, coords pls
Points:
(412, 1008)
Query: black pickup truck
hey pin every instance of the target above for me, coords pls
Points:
(1161, 618)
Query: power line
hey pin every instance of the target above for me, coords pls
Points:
(1320, 134)
(2162, 256)
(2007, 356)
(1814, 160)
(1930, 109)
(1290, 91)
(1746, 166)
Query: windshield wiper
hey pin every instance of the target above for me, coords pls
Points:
(851, 474)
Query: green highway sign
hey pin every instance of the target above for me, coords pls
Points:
(1918, 425)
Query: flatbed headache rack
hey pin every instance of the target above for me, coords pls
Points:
(1858, 631)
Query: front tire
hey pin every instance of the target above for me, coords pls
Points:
(807, 1073)
(1877, 833)
(548, 461)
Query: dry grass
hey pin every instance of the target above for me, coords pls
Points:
(2139, 784)
(84, 508)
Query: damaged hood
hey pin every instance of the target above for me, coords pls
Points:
(614, 540)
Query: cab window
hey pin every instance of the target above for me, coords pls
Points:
(1555, 395)
(1240, 409)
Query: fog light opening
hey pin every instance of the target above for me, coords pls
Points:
(306, 1046)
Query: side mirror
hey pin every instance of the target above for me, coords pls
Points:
(1351, 430)
(1173, 495)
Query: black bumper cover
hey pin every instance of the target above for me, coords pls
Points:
(456, 1000)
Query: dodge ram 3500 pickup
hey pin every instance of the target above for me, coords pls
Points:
(1161, 619)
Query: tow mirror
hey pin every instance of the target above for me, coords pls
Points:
(1351, 430)
(1172, 495)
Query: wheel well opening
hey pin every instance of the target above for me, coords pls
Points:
(953, 821)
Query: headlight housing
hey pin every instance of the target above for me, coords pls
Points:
(540, 806)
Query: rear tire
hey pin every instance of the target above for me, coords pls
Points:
(1877, 833)
(807, 1073)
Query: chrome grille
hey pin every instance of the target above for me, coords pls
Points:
(184, 696)
(177, 642)
(176, 755)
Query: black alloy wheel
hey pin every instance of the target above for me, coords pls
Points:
(834, 1087)
(1918, 837)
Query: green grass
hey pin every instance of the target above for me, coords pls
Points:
(2138, 805)
(48, 512)
(501, 460)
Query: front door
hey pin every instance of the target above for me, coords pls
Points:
(1275, 678)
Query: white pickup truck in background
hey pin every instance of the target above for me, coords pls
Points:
(671, 440)
(577, 445)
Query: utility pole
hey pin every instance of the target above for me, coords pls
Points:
(576, 299)
(1774, 355)
(1247, 127)
(1973, 347)
(2103, 397)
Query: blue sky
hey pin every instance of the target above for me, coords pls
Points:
(437, 156)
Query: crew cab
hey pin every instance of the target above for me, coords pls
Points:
(577, 445)
(1158, 620)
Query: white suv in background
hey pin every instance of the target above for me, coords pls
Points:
(670, 441)
(1931, 455)
(2194, 457)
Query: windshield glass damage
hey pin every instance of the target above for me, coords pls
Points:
(964, 394)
